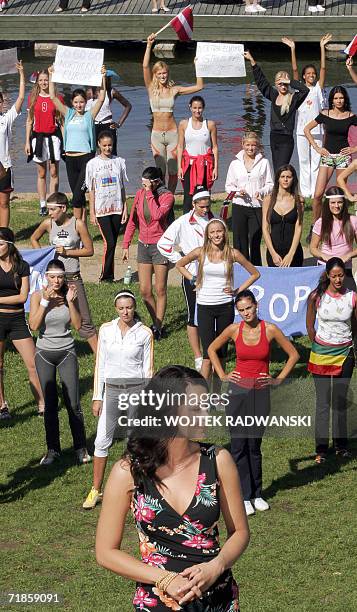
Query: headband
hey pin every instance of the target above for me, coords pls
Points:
(55, 271)
(124, 294)
(338, 195)
(200, 195)
(8, 241)
(219, 221)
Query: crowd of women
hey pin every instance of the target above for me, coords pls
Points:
(174, 526)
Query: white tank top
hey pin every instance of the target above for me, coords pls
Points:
(105, 111)
(197, 142)
(213, 283)
(334, 318)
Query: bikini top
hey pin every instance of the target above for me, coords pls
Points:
(159, 104)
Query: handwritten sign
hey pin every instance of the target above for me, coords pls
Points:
(8, 59)
(78, 66)
(220, 60)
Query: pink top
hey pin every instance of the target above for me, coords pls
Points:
(339, 245)
(150, 231)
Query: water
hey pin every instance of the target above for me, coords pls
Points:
(235, 105)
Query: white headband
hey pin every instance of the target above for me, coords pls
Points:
(7, 241)
(55, 271)
(201, 195)
(218, 220)
(338, 195)
(124, 294)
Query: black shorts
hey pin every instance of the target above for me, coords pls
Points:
(6, 183)
(13, 325)
(190, 297)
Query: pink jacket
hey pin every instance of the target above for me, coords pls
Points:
(160, 202)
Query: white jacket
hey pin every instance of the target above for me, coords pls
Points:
(184, 235)
(125, 358)
(258, 180)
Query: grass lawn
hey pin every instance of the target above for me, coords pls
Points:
(301, 552)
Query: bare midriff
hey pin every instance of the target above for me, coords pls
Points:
(164, 122)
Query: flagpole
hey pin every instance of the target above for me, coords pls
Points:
(169, 23)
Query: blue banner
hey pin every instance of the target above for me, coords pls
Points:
(37, 260)
(282, 295)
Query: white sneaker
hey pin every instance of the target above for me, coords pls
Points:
(321, 9)
(313, 9)
(251, 8)
(260, 504)
(49, 457)
(83, 456)
(260, 8)
(249, 508)
(198, 363)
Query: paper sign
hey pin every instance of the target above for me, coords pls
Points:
(220, 60)
(8, 59)
(78, 66)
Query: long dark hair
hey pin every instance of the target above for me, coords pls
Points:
(303, 71)
(147, 454)
(14, 255)
(343, 91)
(293, 190)
(327, 218)
(334, 262)
(57, 264)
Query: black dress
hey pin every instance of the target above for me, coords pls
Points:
(174, 542)
(282, 228)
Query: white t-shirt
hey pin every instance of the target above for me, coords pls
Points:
(6, 122)
(106, 178)
(104, 112)
(309, 109)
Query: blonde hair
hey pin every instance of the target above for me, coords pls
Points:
(206, 251)
(155, 89)
(285, 107)
(34, 95)
(252, 136)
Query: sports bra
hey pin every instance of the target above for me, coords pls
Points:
(158, 104)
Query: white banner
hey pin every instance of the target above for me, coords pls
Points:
(78, 66)
(220, 60)
(8, 59)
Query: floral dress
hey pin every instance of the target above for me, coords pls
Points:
(173, 542)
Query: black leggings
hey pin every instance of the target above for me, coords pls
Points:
(76, 173)
(211, 321)
(109, 228)
(247, 231)
(332, 391)
(64, 4)
(282, 148)
(187, 198)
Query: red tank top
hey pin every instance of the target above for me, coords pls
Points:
(252, 361)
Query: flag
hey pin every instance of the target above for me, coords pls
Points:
(352, 47)
(183, 24)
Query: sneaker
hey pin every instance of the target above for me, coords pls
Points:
(320, 458)
(313, 9)
(320, 9)
(5, 412)
(157, 333)
(249, 508)
(84, 9)
(251, 8)
(59, 10)
(343, 453)
(260, 8)
(198, 363)
(49, 457)
(94, 496)
(83, 456)
(260, 504)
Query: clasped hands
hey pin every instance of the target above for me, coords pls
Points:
(194, 581)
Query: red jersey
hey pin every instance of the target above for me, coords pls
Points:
(44, 114)
(252, 359)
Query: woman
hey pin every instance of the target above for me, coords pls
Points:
(342, 181)
(334, 233)
(43, 136)
(254, 6)
(52, 311)
(283, 212)
(181, 559)
(152, 205)
(249, 178)
(197, 152)
(249, 389)
(214, 283)
(104, 119)
(78, 139)
(6, 122)
(162, 93)
(14, 291)
(332, 357)
(71, 240)
(105, 175)
(309, 159)
(284, 105)
(125, 352)
(336, 152)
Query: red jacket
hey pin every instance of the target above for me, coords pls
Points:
(199, 165)
(160, 202)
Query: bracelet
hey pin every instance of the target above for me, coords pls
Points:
(165, 580)
(193, 281)
(44, 302)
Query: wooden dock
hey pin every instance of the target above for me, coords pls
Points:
(131, 20)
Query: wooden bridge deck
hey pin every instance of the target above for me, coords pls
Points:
(36, 20)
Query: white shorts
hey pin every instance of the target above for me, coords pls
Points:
(46, 151)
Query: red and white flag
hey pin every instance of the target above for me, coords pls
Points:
(352, 47)
(183, 24)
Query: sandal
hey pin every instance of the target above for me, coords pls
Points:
(343, 453)
(320, 458)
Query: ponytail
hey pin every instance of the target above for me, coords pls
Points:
(324, 281)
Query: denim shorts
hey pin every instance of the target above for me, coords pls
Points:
(150, 254)
(336, 161)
